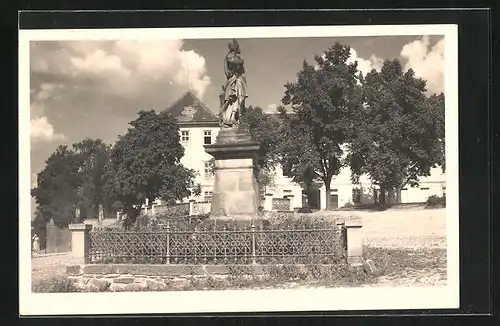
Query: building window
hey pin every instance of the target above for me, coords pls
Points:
(184, 136)
(207, 137)
(356, 195)
(424, 188)
(207, 196)
(287, 191)
(208, 169)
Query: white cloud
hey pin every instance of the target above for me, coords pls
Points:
(427, 62)
(128, 67)
(41, 130)
(100, 63)
(34, 179)
(366, 65)
(271, 108)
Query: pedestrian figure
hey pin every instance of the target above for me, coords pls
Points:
(36, 244)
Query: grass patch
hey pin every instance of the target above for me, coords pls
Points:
(394, 262)
(54, 284)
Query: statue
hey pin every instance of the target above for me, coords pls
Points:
(234, 92)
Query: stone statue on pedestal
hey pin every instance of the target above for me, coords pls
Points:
(236, 192)
(234, 91)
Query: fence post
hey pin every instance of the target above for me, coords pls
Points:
(80, 241)
(268, 202)
(343, 233)
(253, 244)
(191, 206)
(168, 242)
(354, 243)
(290, 202)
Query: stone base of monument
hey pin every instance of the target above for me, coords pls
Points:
(236, 191)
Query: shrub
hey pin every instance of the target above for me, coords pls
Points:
(435, 201)
(54, 285)
(305, 209)
(348, 206)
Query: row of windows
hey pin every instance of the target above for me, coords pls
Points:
(207, 137)
(207, 196)
(207, 169)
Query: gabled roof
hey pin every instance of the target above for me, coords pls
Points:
(190, 109)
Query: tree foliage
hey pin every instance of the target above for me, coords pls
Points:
(91, 156)
(56, 193)
(145, 164)
(322, 99)
(397, 136)
(71, 179)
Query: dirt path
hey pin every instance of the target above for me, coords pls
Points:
(51, 265)
(401, 228)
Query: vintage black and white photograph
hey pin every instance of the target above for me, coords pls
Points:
(238, 169)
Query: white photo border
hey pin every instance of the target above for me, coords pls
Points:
(335, 299)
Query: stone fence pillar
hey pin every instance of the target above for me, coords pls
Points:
(291, 202)
(191, 207)
(80, 240)
(354, 243)
(268, 202)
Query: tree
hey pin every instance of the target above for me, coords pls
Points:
(437, 107)
(91, 157)
(71, 179)
(145, 164)
(322, 100)
(56, 191)
(396, 139)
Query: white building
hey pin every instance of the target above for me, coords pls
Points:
(199, 126)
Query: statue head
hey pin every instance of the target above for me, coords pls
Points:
(234, 46)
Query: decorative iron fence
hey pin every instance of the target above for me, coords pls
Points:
(243, 246)
(281, 204)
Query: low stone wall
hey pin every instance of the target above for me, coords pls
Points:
(137, 277)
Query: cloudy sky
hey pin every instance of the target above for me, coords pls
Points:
(94, 88)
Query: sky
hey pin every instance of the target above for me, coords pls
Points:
(82, 89)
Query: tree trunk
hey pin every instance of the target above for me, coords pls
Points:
(390, 197)
(327, 182)
(398, 195)
(382, 201)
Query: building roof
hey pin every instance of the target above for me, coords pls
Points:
(190, 109)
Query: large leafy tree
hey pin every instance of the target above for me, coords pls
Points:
(56, 193)
(437, 108)
(71, 179)
(322, 99)
(145, 164)
(91, 157)
(397, 137)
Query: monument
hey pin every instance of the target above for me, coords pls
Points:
(236, 191)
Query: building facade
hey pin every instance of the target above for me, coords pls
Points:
(199, 126)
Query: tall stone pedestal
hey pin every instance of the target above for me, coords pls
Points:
(236, 191)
